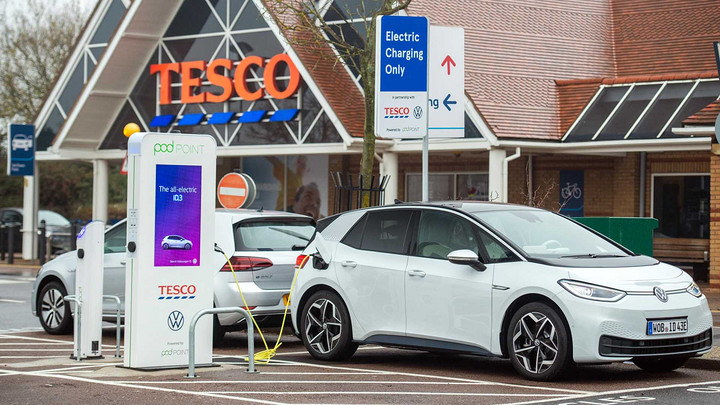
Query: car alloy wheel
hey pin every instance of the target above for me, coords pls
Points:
(535, 342)
(54, 312)
(165, 246)
(538, 342)
(323, 325)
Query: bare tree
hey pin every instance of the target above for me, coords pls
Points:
(36, 37)
(35, 40)
(304, 24)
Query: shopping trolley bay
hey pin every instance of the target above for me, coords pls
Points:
(35, 366)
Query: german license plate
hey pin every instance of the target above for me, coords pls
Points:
(667, 326)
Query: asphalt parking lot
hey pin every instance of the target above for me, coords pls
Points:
(35, 368)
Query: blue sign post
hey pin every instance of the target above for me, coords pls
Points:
(21, 150)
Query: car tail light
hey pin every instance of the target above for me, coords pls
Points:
(301, 260)
(243, 263)
(248, 308)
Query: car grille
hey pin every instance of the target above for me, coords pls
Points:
(621, 347)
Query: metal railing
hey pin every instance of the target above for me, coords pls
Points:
(226, 310)
(349, 195)
(78, 324)
(117, 321)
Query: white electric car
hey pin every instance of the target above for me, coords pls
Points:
(175, 242)
(261, 245)
(493, 279)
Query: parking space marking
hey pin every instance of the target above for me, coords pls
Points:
(407, 393)
(625, 391)
(35, 344)
(145, 387)
(6, 336)
(9, 301)
(447, 378)
(33, 357)
(69, 350)
(9, 281)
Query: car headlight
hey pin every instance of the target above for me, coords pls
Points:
(591, 291)
(694, 290)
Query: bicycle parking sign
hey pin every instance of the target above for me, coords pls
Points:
(572, 200)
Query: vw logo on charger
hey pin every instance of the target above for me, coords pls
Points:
(418, 112)
(660, 294)
(175, 320)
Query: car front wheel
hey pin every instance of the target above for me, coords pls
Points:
(538, 342)
(53, 311)
(325, 327)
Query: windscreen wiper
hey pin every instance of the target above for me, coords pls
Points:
(591, 256)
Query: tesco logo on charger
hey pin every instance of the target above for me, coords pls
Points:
(177, 292)
(397, 112)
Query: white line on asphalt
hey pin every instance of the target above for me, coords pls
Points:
(77, 367)
(145, 387)
(453, 394)
(9, 301)
(33, 357)
(442, 378)
(322, 382)
(22, 330)
(34, 339)
(660, 387)
(69, 349)
(6, 281)
(35, 344)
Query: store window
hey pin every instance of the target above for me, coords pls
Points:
(448, 186)
(681, 203)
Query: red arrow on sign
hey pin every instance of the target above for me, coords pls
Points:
(448, 61)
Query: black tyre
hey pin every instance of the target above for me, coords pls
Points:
(659, 364)
(187, 246)
(166, 246)
(218, 331)
(54, 313)
(538, 342)
(325, 327)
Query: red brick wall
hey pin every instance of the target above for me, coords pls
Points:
(714, 221)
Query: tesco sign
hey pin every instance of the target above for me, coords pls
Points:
(218, 74)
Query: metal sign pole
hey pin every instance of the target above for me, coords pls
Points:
(425, 188)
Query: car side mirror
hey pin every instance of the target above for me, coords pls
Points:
(466, 257)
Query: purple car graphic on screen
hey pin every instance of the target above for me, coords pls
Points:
(176, 242)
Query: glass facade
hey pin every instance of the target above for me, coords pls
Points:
(200, 31)
(681, 203)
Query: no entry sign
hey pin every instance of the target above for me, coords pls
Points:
(236, 190)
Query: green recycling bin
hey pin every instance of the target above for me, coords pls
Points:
(635, 234)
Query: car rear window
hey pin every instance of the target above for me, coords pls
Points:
(273, 234)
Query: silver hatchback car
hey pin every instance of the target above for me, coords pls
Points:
(261, 245)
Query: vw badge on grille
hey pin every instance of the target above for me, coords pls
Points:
(660, 294)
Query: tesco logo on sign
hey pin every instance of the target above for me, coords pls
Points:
(217, 73)
(397, 112)
(177, 292)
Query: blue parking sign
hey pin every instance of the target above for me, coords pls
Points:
(21, 150)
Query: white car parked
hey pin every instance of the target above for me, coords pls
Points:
(262, 247)
(493, 279)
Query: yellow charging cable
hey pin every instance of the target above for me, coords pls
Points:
(264, 356)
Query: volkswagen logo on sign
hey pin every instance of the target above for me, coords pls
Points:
(417, 112)
(176, 320)
(660, 294)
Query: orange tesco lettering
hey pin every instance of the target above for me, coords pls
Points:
(225, 83)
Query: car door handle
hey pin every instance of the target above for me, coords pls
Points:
(416, 273)
(348, 263)
(123, 262)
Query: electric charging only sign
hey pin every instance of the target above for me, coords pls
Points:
(401, 77)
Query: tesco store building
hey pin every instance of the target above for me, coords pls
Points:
(558, 104)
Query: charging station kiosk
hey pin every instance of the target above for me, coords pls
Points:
(89, 290)
(170, 239)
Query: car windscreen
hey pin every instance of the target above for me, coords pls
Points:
(544, 234)
(53, 218)
(273, 234)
